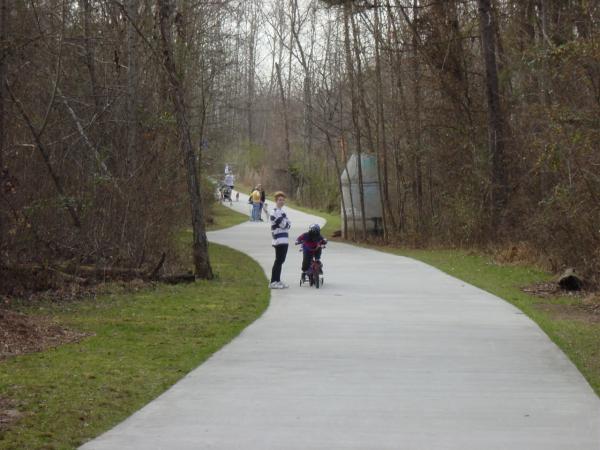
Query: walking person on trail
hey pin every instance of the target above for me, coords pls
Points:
(263, 197)
(250, 203)
(229, 181)
(228, 184)
(256, 205)
(280, 226)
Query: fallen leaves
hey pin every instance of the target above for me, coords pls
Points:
(20, 333)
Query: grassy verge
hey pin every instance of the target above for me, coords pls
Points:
(141, 344)
(225, 217)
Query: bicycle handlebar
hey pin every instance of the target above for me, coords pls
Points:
(319, 247)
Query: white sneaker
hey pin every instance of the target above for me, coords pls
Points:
(275, 285)
(282, 285)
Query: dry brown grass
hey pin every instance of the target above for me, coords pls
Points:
(26, 334)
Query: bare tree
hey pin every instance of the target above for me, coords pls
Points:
(86, 13)
(381, 138)
(132, 82)
(251, 67)
(3, 56)
(496, 125)
(200, 244)
(288, 152)
(348, 11)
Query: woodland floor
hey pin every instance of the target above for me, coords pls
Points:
(21, 333)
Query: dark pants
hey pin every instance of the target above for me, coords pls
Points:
(280, 254)
(307, 258)
(262, 205)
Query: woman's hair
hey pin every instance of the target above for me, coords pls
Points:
(279, 194)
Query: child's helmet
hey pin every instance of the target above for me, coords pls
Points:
(314, 229)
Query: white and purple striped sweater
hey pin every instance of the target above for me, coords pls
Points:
(280, 225)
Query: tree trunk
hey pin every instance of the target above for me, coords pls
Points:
(355, 114)
(399, 113)
(3, 54)
(418, 174)
(132, 83)
(496, 130)
(307, 95)
(86, 11)
(251, 74)
(288, 153)
(380, 134)
(307, 101)
(344, 150)
(338, 172)
(360, 85)
(200, 245)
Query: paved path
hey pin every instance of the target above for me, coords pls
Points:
(389, 354)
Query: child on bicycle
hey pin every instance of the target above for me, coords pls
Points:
(312, 244)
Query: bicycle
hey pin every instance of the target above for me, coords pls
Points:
(314, 274)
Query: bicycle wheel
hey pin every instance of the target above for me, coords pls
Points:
(321, 275)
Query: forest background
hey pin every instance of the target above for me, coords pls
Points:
(484, 116)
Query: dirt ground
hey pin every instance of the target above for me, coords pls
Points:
(585, 306)
(585, 310)
(21, 334)
(8, 414)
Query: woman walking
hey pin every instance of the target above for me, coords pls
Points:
(280, 226)
(255, 201)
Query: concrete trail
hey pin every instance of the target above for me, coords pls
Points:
(389, 354)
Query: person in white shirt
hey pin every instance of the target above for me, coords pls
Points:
(280, 226)
(229, 180)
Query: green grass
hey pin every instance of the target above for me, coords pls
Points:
(222, 217)
(141, 344)
(225, 217)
